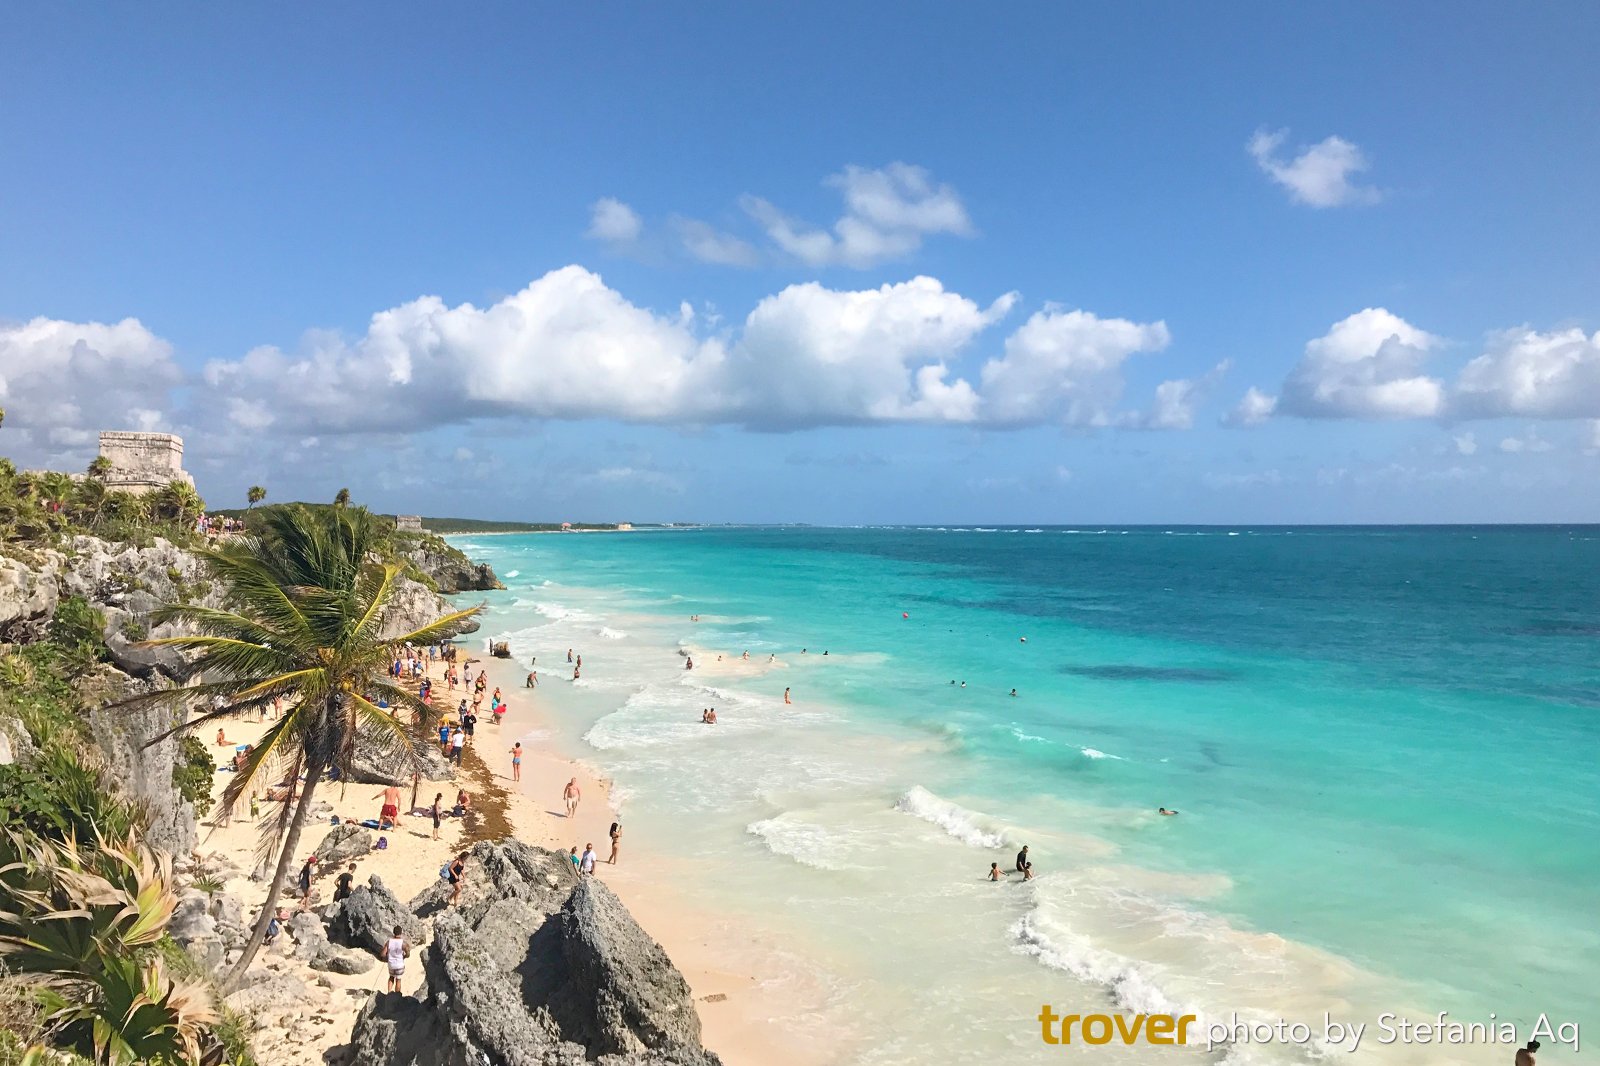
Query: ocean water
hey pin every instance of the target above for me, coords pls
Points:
(1383, 743)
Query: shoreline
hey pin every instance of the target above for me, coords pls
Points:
(739, 1010)
(738, 1015)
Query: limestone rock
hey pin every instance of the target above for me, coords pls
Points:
(343, 843)
(28, 598)
(535, 969)
(344, 960)
(366, 918)
(270, 992)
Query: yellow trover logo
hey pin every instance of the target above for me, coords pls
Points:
(1104, 1028)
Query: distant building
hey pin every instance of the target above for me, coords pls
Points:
(142, 462)
(621, 526)
(408, 523)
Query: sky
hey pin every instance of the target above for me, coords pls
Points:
(835, 263)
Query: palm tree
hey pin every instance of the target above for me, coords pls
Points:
(256, 494)
(100, 468)
(128, 506)
(89, 500)
(342, 498)
(177, 500)
(308, 597)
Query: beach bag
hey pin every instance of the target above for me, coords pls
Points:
(382, 844)
(444, 872)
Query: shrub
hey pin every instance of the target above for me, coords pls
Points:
(192, 774)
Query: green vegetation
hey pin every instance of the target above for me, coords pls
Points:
(479, 525)
(46, 507)
(192, 774)
(307, 595)
(79, 931)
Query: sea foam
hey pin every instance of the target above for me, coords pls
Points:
(954, 819)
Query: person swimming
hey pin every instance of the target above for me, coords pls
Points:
(1163, 810)
(994, 871)
(1013, 692)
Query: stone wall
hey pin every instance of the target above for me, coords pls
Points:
(141, 462)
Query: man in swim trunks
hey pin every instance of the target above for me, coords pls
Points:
(572, 794)
(389, 815)
(1022, 860)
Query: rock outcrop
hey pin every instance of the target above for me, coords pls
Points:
(366, 918)
(535, 968)
(341, 844)
(452, 571)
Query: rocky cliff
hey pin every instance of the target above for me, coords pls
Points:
(451, 570)
(127, 583)
(534, 967)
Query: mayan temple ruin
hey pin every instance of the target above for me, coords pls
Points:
(141, 462)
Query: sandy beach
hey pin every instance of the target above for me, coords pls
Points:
(741, 1012)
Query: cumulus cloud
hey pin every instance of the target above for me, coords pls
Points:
(614, 222)
(1064, 366)
(1175, 401)
(812, 354)
(1370, 366)
(63, 382)
(566, 346)
(888, 212)
(1320, 176)
(1526, 373)
(710, 245)
(1366, 366)
(1253, 408)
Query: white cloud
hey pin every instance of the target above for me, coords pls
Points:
(1064, 366)
(710, 245)
(1366, 366)
(1466, 443)
(614, 222)
(1526, 373)
(811, 354)
(887, 214)
(1252, 409)
(1320, 176)
(63, 382)
(1176, 400)
(566, 346)
(1529, 442)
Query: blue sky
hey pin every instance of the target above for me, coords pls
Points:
(1379, 218)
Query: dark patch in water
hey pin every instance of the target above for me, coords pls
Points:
(1123, 672)
(1558, 629)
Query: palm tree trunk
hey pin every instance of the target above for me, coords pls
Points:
(290, 843)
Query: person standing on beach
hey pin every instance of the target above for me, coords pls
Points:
(575, 860)
(458, 743)
(586, 864)
(572, 794)
(786, 696)
(389, 814)
(616, 842)
(516, 762)
(438, 812)
(569, 655)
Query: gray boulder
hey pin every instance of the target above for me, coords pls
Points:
(535, 969)
(343, 843)
(343, 960)
(273, 991)
(368, 767)
(365, 919)
(28, 598)
(622, 992)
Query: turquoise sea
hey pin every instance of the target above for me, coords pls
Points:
(1384, 744)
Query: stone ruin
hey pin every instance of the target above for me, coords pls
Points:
(408, 523)
(143, 462)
